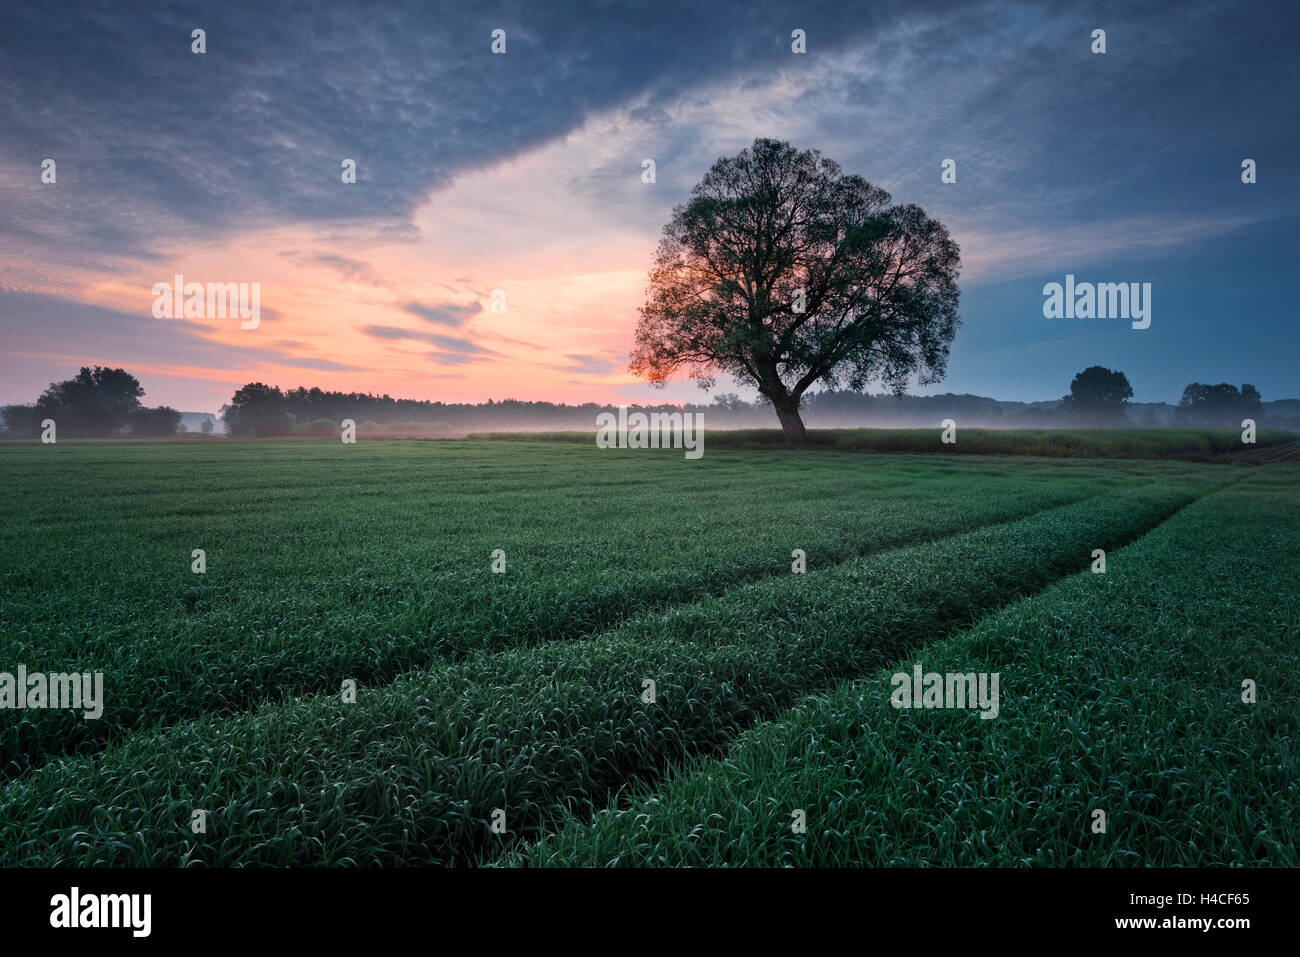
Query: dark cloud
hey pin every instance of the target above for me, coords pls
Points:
(156, 145)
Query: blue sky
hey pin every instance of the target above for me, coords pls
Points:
(522, 173)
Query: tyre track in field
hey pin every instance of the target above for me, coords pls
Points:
(651, 828)
(1287, 452)
(28, 746)
(626, 791)
(455, 741)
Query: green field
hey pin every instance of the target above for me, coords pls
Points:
(1194, 445)
(522, 691)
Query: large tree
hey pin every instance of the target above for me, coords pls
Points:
(95, 402)
(1098, 396)
(782, 271)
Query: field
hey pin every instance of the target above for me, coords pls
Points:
(1194, 445)
(518, 696)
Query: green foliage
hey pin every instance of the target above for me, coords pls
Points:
(412, 771)
(1120, 691)
(328, 561)
(522, 691)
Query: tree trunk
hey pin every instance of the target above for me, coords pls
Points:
(787, 411)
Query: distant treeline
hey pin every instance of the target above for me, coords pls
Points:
(259, 409)
(105, 402)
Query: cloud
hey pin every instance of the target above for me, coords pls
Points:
(391, 332)
(322, 365)
(591, 365)
(353, 270)
(454, 344)
(47, 338)
(451, 349)
(497, 337)
(454, 358)
(523, 172)
(157, 146)
(444, 313)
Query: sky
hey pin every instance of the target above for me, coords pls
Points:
(521, 173)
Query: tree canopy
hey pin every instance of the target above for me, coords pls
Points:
(1098, 396)
(257, 409)
(1218, 405)
(96, 401)
(782, 271)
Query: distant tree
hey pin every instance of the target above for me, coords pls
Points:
(159, 421)
(317, 427)
(1252, 403)
(1098, 397)
(207, 425)
(1222, 405)
(783, 272)
(730, 402)
(95, 402)
(22, 420)
(257, 410)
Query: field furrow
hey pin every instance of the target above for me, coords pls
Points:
(412, 772)
(1120, 692)
(324, 564)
